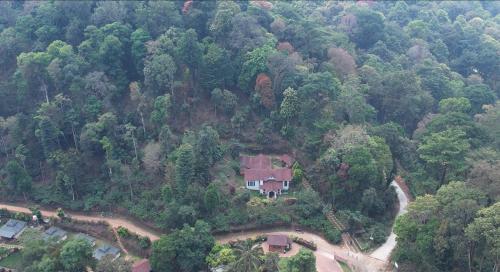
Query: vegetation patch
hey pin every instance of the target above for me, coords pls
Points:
(98, 229)
(13, 260)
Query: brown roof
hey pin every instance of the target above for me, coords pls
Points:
(278, 174)
(141, 266)
(255, 162)
(278, 240)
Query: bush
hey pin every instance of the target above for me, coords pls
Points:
(123, 232)
(144, 242)
(333, 235)
(22, 216)
(307, 244)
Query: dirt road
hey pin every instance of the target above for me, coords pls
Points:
(114, 222)
(325, 260)
(384, 251)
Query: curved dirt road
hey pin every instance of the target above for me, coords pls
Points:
(114, 222)
(325, 260)
(384, 251)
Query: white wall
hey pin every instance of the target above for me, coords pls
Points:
(255, 187)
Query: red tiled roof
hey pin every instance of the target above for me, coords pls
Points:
(141, 266)
(274, 186)
(255, 162)
(278, 174)
(278, 240)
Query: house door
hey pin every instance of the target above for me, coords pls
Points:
(272, 194)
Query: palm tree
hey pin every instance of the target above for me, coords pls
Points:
(249, 258)
(271, 262)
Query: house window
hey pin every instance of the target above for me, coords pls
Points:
(251, 183)
(285, 184)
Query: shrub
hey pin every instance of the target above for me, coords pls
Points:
(307, 244)
(123, 232)
(144, 242)
(333, 235)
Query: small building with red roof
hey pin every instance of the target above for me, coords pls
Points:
(141, 266)
(279, 242)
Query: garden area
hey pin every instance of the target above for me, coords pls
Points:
(10, 258)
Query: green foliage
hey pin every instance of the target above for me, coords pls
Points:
(159, 74)
(216, 70)
(76, 255)
(255, 62)
(369, 27)
(184, 169)
(220, 255)
(189, 50)
(290, 105)
(109, 105)
(460, 104)
(444, 150)
(123, 232)
(433, 229)
(303, 261)
(138, 48)
(183, 250)
(18, 178)
(224, 100)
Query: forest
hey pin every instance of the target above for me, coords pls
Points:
(144, 108)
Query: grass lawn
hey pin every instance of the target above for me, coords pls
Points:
(344, 267)
(13, 261)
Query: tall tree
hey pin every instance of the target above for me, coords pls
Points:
(183, 250)
(444, 151)
(159, 74)
(248, 258)
(18, 179)
(184, 167)
(304, 261)
(76, 255)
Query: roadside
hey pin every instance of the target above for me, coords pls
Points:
(114, 222)
(325, 253)
(384, 251)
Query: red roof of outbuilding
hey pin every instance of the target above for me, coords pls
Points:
(255, 162)
(278, 174)
(141, 266)
(278, 240)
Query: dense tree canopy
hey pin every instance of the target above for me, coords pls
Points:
(145, 107)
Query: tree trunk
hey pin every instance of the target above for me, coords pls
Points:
(469, 257)
(443, 175)
(143, 123)
(41, 171)
(72, 192)
(74, 136)
(135, 148)
(131, 191)
(44, 89)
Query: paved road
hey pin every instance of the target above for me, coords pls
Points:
(384, 251)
